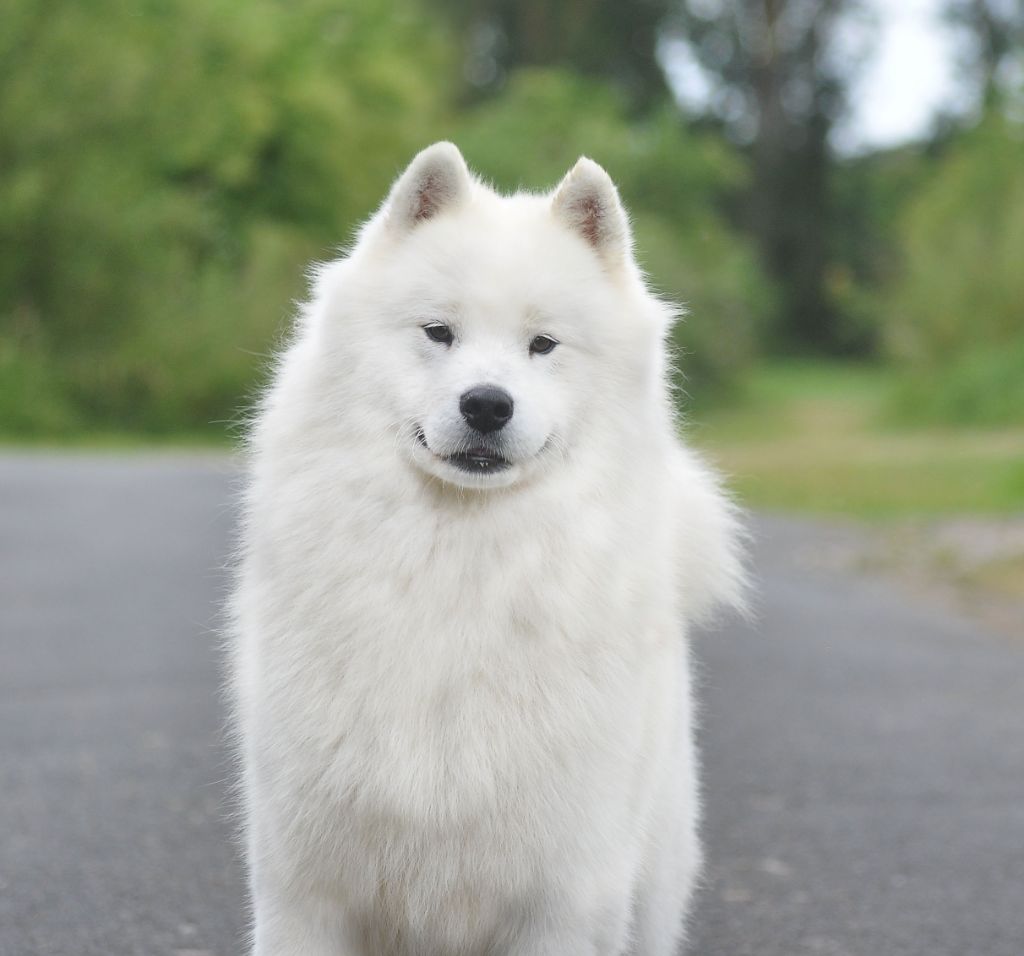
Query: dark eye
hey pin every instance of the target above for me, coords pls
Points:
(439, 332)
(542, 344)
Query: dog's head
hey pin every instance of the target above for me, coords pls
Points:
(491, 334)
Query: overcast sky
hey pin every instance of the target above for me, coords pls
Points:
(907, 75)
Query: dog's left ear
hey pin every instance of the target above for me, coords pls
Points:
(588, 203)
(436, 179)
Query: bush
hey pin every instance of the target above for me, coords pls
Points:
(167, 172)
(956, 309)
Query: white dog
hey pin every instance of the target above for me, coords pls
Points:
(472, 549)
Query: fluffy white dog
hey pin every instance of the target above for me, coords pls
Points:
(472, 548)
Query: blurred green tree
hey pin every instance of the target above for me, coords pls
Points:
(993, 59)
(606, 39)
(165, 171)
(956, 308)
(780, 76)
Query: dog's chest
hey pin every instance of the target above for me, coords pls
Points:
(441, 666)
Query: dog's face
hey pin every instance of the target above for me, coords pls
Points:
(496, 329)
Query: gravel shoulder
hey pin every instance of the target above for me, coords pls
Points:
(970, 565)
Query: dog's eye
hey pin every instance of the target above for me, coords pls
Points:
(439, 332)
(542, 344)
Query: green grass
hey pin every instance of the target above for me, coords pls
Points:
(816, 437)
(111, 440)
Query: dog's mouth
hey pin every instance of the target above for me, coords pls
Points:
(477, 459)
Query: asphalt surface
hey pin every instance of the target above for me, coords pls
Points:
(864, 753)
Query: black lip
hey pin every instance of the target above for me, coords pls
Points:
(475, 460)
(478, 460)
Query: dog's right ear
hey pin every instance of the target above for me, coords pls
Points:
(437, 179)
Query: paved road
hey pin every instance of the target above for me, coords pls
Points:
(865, 756)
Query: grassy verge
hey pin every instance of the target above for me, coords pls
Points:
(194, 440)
(814, 437)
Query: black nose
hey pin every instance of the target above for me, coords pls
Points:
(486, 408)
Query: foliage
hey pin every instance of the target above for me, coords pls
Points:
(777, 75)
(956, 309)
(608, 40)
(171, 177)
(167, 170)
(994, 30)
(870, 193)
(672, 181)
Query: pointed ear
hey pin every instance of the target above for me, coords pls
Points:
(588, 203)
(437, 179)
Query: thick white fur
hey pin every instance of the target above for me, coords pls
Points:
(463, 701)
